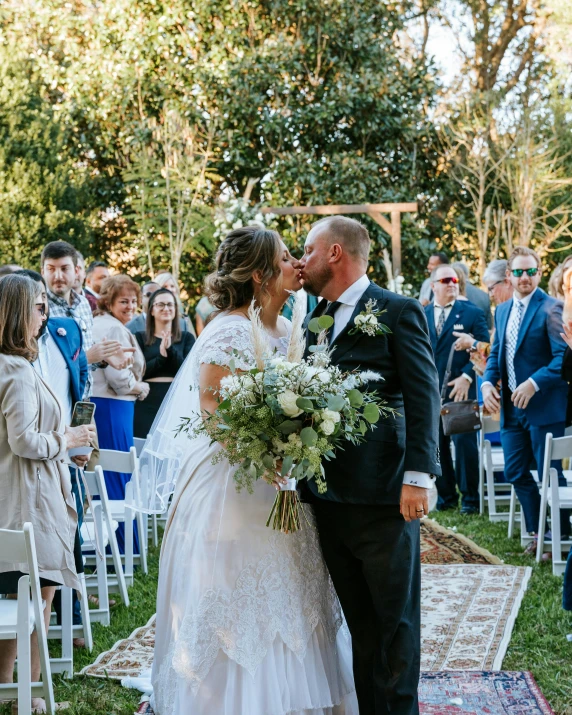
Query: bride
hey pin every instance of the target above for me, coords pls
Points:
(248, 622)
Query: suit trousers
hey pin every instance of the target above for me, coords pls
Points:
(465, 473)
(373, 556)
(523, 446)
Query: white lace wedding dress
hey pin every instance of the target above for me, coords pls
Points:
(248, 622)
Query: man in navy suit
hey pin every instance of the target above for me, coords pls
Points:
(446, 315)
(526, 357)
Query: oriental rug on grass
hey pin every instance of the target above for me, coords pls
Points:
(467, 615)
(472, 693)
(440, 545)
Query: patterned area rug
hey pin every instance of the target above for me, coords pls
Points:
(467, 616)
(444, 546)
(499, 693)
(466, 693)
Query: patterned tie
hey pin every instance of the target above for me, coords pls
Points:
(511, 344)
(441, 321)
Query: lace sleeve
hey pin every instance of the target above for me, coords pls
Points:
(230, 341)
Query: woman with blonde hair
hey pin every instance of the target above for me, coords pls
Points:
(115, 391)
(35, 485)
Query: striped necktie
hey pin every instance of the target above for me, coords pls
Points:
(441, 321)
(511, 344)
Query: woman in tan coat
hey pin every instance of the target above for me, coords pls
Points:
(35, 484)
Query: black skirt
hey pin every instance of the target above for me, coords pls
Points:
(146, 410)
(9, 579)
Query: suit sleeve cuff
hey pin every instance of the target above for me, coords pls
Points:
(419, 479)
(467, 377)
(534, 384)
(487, 383)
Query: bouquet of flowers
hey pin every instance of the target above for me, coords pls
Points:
(287, 415)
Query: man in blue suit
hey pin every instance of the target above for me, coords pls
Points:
(526, 357)
(446, 315)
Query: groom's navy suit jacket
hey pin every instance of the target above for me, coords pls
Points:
(372, 472)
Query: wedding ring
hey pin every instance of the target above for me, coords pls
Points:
(419, 511)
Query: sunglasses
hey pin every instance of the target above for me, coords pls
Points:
(447, 280)
(517, 272)
(494, 285)
(41, 308)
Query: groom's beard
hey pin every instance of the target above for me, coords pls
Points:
(315, 283)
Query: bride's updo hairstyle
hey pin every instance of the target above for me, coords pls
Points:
(243, 252)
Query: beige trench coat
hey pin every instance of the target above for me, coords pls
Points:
(35, 482)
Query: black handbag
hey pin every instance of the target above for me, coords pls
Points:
(458, 417)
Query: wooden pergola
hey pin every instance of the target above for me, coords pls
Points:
(391, 225)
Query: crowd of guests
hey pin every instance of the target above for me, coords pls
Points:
(70, 333)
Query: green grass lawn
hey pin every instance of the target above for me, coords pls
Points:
(538, 642)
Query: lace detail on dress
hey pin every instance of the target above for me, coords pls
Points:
(285, 594)
(231, 341)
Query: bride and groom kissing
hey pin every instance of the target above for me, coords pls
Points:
(252, 621)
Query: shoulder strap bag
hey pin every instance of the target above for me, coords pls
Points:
(458, 417)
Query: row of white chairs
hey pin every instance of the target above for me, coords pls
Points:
(553, 497)
(113, 572)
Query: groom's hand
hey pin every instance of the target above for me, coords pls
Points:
(413, 500)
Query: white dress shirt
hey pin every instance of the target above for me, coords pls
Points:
(511, 318)
(348, 301)
(437, 311)
(53, 369)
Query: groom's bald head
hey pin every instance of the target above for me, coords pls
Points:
(349, 233)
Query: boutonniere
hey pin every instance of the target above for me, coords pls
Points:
(367, 321)
(458, 326)
(62, 331)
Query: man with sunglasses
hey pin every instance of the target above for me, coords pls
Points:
(445, 316)
(526, 357)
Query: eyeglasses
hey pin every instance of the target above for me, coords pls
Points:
(494, 285)
(517, 272)
(41, 308)
(447, 280)
(161, 306)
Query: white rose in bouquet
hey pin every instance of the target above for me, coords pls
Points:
(287, 401)
(328, 427)
(330, 416)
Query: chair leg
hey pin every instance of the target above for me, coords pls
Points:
(142, 527)
(542, 518)
(101, 568)
(87, 634)
(155, 531)
(555, 521)
(512, 513)
(121, 583)
(23, 649)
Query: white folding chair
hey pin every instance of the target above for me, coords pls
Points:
(123, 510)
(555, 497)
(516, 515)
(138, 443)
(98, 532)
(19, 618)
(491, 461)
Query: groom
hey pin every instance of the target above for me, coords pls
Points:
(368, 520)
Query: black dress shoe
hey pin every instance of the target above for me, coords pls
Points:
(469, 510)
(446, 507)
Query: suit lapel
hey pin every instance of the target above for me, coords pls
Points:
(66, 354)
(533, 306)
(344, 341)
(503, 322)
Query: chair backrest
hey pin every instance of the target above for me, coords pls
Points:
(115, 461)
(138, 443)
(13, 547)
(560, 447)
(489, 425)
(20, 547)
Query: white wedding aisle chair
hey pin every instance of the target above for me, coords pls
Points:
(554, 497)
(98, 532)
(123, 511)
(67, 631)
(19, 618)
(138, 443)
(491, 461)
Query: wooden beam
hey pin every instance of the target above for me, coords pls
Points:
(339, 209)
(396, 242)
(381, 221)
